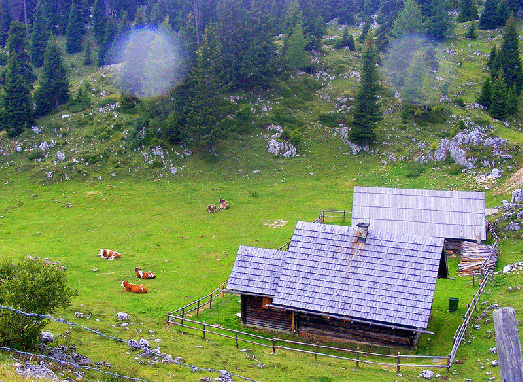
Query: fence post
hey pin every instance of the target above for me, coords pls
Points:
(198, 308)
(344, 216)
(399, 363)
(210, 302)
(236, 340)
(203, 332)
(183, 314)
(448, 363)
(357, 356)
(273, 345)
(473, 279)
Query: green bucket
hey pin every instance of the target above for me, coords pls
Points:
(453, 304)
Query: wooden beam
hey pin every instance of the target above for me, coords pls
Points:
(509, 347)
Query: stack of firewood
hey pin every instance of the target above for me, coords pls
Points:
(475, 258)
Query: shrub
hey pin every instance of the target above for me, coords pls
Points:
(455, 169)
(414, 170)
(30, 286)
(36, 154)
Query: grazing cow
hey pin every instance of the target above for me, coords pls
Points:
(211, 208)
(133, 287)
(108, 254)
(224, 204)
(144, 275)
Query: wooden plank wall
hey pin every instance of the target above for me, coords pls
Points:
(256, 315)
(319, 327)
(509, 347)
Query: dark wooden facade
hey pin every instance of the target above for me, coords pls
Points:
(255, 312)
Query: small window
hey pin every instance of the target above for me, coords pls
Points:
(265, 302)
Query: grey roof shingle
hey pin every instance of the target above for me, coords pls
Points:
(255, 270)
(390, 279)
(442, 214)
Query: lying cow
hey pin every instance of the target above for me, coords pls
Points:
(133, 287)
(108, 254)
(211, 208)
(144, 275)
(224, 204)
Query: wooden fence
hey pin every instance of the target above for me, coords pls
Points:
(327, 214)
(199, 304)
(294, 346)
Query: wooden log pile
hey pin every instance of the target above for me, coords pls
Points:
(476, 258)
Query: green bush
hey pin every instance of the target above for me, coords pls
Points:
(34, 287)
(36, 154)
(414, 170)
(455, 169)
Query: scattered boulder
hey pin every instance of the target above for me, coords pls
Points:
(512, 226)
(517, 196)
(178, 360)
(226, 376)
(283, 149)
(427, 374)
(39, 371)
(122, 316)
(133, 344)
(144, 344)
(47, 337)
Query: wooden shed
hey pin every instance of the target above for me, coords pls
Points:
(341, 283)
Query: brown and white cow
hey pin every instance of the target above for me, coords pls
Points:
(211, 208)
(144, 275)
(224, 204)
(133, 287)
(108, 254)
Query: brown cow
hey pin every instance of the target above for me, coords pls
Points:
(108, 254)
(224, 204)
(144, 275)
(211, 208)
(133, 287)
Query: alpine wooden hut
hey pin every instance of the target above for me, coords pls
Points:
(341, 283)
(455, 216)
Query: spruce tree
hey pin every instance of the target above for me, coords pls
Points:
(409, 21)
(39, 35)
(471, 32)
(509, 57)
(498, 100)
(366, 111)
(53, 89)
(5, 22)
(17, 112)
(485, 97)
(296, 57)
(99, 21)
(489, 17)
(17, 44)
(438, 23)
(74, 32)
(468, 11)
(109, 36)
(88, 60)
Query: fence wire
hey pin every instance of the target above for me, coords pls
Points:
(193, 368)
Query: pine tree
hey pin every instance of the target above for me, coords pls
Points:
(409, 21)
(74, 31)
(17, 44)
(88, 60)
(471, 32)
(498, 100)
(366, 112)
(110, 34)
(5, 22)
(39, 35)
(485, 97)
(53, 89)
(489, 17)
(438, 22)
(124, 25)
(468, 11)
(509, 57)
(17, 112)
(99, 21)
(296, 57)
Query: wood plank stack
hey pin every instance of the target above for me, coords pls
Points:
(475, 258)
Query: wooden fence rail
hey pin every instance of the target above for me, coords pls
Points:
(277, 343)
(331, 214)
(199, 304)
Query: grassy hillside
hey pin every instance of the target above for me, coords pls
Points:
(111, 192)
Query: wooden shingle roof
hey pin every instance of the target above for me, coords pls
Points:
(388, 279)
(443, 214)
(256, 271)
